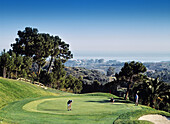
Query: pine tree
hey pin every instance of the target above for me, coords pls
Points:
(130, 74)
(5, 62)
(58, 74)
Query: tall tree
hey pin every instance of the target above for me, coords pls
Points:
(11, 65)
(130, 74)
(5, 62)
(27, 65)
(58, 73)
(152, 90)
(1, 72)
(18, 64)
(31, 44)
(42, 50)
(25, 44)
(40, 46)
(60, 50)
(54, 50)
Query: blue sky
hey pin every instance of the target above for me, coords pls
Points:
(92, 27)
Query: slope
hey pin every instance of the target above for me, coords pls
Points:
(12, 90)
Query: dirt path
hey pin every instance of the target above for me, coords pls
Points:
(155, 118)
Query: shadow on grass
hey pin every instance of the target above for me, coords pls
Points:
(121, 100)
(104, 101)
(117, 100)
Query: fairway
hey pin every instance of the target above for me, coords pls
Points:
(85, 109)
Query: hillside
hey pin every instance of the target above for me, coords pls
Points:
(88, 75)
(154, 69)
(12, 90)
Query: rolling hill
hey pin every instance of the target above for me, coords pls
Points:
(12, 90)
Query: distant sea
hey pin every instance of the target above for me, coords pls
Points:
(128, 58)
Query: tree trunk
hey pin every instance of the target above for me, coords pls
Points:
(128, 88)
(129, 85)
(9, 74)
(127, 94)
(50, 64)
(16, 74)
(151, 101)
(4, 72)
(39, 70)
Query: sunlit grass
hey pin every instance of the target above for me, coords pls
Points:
(37, 105)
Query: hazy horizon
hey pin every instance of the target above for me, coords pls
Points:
(124, 57)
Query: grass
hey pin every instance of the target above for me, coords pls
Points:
(12, 90)
(92, 108)
(85, 109)
(131, 117)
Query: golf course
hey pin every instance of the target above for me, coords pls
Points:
(23, 102)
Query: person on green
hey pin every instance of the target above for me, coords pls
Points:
(112, 100)
(136, 98)
(69, 105)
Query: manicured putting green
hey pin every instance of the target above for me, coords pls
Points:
(85, 105)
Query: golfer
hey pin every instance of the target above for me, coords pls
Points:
(112, 100)
(136, 98)
(69, 105)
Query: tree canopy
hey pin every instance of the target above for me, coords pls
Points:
(130, 73)
(40, 46)
(29, 55)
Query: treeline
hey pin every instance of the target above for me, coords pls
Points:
(164, 75)
(152, 92)
(159, 69)
(33, 49)
(132, 79)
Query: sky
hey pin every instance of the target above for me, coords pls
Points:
(92, 27)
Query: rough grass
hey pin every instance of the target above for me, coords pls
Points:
(12, 90)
